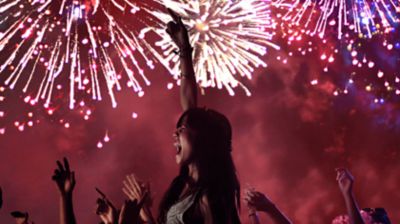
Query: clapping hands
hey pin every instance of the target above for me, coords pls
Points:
(136, 190)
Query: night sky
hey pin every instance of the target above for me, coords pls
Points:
(288, 138)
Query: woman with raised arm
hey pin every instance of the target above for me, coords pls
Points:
(206, 190)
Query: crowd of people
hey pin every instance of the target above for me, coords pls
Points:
(196, 207)
(206, 189)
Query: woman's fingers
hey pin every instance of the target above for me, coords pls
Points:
(173, 15)
(129, 182)
(135, 185)
(66, 165)
(128, 193)
(100, 192)
(128, 190)
(60, 166)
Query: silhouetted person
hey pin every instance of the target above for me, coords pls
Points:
(375, 216)
(356, 216)
(206, 189)
(345, 181)
(257, 201)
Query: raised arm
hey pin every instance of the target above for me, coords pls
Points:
(345, 181)
(179, 34)
(252, 211)
(260, 202)
(65, 180)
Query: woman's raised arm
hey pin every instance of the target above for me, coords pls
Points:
(179, 34)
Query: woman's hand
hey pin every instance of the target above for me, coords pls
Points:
(130, 211)
(257, 200)
(177, 30)
(135, 190)
(179, 34)
(345, 180)
(64, 178)
(106, 210)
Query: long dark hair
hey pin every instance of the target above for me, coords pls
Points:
(212, 156)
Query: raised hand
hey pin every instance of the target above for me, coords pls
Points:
(106, 210)
(130, 211)
(64, 177)
(179, 34)
(257, 200)
(135, 190)
(345, 180)
(65, 180)
(177, 30)
(20, 217)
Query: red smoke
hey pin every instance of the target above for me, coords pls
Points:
(288, 139)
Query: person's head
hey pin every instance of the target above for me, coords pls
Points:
(369, 216)
(203, 139)
(376, 215)
(200, 134)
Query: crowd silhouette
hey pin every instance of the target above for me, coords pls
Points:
(206, 189)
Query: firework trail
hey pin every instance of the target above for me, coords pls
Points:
(317, 17)
(228, 37)
(47, 43)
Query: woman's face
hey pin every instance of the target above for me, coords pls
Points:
(183, 142)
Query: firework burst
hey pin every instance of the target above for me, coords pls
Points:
(228, 39)
(48, 43)
(364, 17)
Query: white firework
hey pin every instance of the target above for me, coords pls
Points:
(82, 46)
(364, 17)
(229, 38)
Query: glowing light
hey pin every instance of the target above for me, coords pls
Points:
(106, 137)
(50, 41)
(228, 38)
(359, 16)
(314, 82)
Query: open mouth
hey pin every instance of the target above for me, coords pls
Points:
(178, 147)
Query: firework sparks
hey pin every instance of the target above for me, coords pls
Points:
(228, 37)
(365, 17)
(50, 43)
